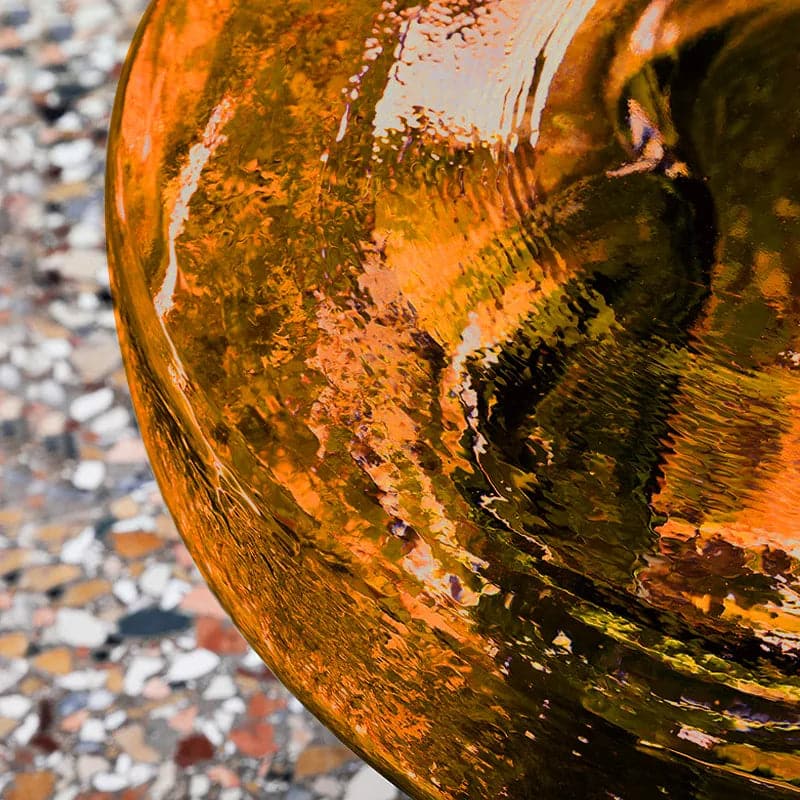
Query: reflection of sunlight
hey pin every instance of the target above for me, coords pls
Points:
(189, 181)
(643, 38)
(471, 74)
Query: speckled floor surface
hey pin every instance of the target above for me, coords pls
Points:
(120, 676)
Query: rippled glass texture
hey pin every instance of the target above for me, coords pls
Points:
(464, 339)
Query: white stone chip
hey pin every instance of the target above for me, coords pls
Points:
(175, 592)
(70, 793)
(165, 782)
(10, 379)
(211, 732)
(100, 700)
(141, 773)
(199, 785)
(110, 422)
(56, 348)
(33, 361)
(235, 705)
(252, 660)
(89, 405)
(92, 731)
(89, 476)
(68, 154)
(125, 591)
(141, 669)
(367, 784)
(221, 688)
(11, 673)
(82, 680)
(49, 392)
(14, 706)
(154, 579)
(74, 550)
(192, 665)
(110, 782)
(116, 719)
(26, 731)
(70, 316)
(79, 628)
(142, 522)
(123, 763)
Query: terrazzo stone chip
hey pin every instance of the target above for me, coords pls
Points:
(193, 665)
(326, 787)
(156, 689)
(221, 687)
(154, 579)
(70, 316)
(111, 422)
(140, 670)
(90, 765)
(13, 645)
(11, 673)
(367, 784)
(25, 732)
(136, 544)
(79, 628)
(141, 773)
(82, 680)
(97, 357)
(45, 577)
(75, 550)
(201, 601)
(82, 593)
(318, 759)
(254, 739)
(153, 621)
(14, 706)
(31, 786)
(223, 776)
(89, 405)
(92, 731)
(57, 661)
(125, 591)
(193, 749)
(89, 475)
(100, 700)
(115, 720)
(199, 786)
(183, 721)
(110, 782)
(211, 731)
(173, 593)
(131, 739)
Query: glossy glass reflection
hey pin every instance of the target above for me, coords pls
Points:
(464, 340)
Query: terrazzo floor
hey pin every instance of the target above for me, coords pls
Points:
(120, 675)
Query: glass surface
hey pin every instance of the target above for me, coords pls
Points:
(464, 340)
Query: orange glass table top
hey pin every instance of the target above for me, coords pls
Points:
(464, 340)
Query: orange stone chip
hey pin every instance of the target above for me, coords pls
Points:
(136, 545)
(32, 786)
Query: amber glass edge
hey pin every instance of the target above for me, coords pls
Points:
(119, 277)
